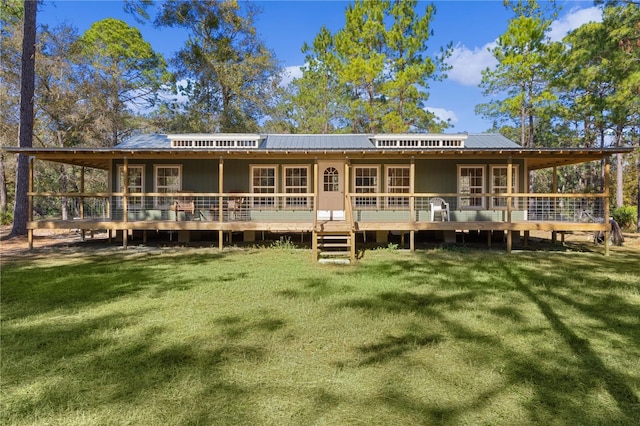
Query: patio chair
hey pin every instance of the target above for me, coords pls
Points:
(439, 205)
(234, 206)
(184, 204)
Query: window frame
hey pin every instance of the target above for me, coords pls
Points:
(263, 202)
(398, 203)
(304, 200)
(366, 202)
(158, 200)
(461, 204)
(492, 186)
(120, 186)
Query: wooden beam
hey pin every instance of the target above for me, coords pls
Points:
(607, 232)
(509, 198)
(30, 203)
(125, 201)
(220, 201)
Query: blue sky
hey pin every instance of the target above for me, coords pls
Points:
(472, 27)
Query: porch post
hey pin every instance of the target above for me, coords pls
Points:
(607, 232)
(30, 203)
(314, 234)
(347, 208)
(82, 201)
(125, 202)
(526, 206)
(554, 189)
(412, 204)
(220, 201)
(509, 207)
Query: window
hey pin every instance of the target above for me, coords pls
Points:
(499, 185)
(263, 181)
(365, 181)
(398, 181)
(136, 185)
(168, 179)
(296, 181)
(471, 181)
(331, 180)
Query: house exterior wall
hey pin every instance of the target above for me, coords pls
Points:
(431, 176)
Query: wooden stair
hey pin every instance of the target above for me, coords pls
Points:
(334, 247)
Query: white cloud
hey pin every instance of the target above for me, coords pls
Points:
(443, 114)
(290, 73)
(572, 20)
(468, 64)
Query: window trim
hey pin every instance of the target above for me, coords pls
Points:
(398, 205)
(306, 200)
(254, 199)
(492, 187)
(376, 201)
(156, 199)
(130, 205)
(483, 202)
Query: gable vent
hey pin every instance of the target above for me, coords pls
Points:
(419, 141)
(215, 141)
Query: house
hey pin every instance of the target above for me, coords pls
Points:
(330, 187)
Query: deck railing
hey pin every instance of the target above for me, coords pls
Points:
(285, 207)
(181, 206)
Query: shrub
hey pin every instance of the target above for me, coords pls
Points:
(284, 243)
(6, 218)
(625, 216)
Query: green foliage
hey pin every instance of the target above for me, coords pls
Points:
(6, 218)
(232, 76)
(626, 216)
(374, 72)
(284, 243)
(125, 70)
(520, 80)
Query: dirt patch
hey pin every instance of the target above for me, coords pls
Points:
(46, 240)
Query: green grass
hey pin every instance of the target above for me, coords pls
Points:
(161, 337)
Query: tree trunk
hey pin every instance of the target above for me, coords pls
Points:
(3, 187)
(27, 90)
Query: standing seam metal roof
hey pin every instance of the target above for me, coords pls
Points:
(302, 142)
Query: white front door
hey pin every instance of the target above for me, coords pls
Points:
(331, 187)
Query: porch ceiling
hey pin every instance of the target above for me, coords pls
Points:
(536, 158)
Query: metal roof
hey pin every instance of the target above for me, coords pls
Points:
(325, 142)
(316, 142)
(489, 140)
(153, 141)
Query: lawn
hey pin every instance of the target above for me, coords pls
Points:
(267, 336)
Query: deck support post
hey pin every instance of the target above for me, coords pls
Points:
(489, 236)
(554, 188)
(30, 203)
(82, 231)
(526, 238)
(314, 245)
(607, 223)
(220, 202)
(509, 201)
(314, 233)
(125, 202)
(412, 203)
